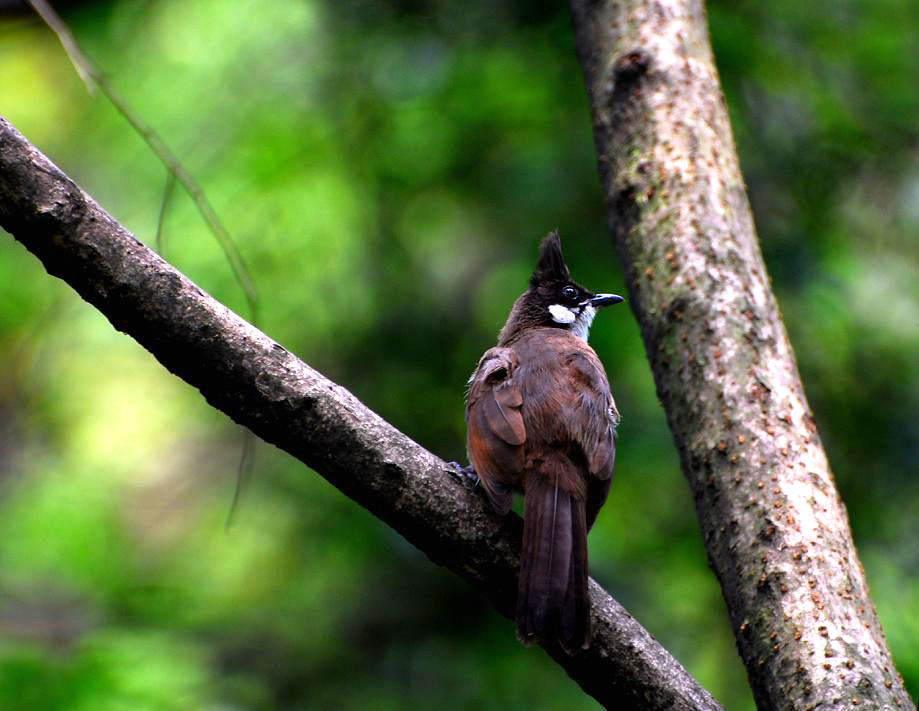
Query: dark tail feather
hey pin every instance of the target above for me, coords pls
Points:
(576, 612)
(552, 600)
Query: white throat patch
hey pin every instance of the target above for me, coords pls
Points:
(582, 328)
(562, 314)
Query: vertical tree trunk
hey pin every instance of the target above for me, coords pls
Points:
(775, 528)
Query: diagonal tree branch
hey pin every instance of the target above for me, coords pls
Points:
(775, 527)
(255, 381)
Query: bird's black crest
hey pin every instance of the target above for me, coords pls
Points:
(551, 262)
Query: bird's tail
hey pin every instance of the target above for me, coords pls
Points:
(552, 599)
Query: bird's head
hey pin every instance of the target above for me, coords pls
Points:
(554, 299)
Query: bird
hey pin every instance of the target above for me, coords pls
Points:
(541, 420)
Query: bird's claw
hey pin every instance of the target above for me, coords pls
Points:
(465, 475)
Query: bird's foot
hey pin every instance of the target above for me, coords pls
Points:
(465, 475)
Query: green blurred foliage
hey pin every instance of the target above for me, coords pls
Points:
(387, 170)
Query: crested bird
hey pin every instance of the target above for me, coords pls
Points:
(541, 420)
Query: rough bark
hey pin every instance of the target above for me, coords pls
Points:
(259, 384)
(775, 527)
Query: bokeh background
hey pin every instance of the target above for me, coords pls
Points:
(387, 169)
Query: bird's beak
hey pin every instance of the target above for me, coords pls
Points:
(600, 300)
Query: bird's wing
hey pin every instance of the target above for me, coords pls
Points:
(596, 433)
(494, 391)
(495, 429)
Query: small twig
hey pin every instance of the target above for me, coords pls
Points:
(92, 76)
(243, 473)
(85, 69)
(168, 191)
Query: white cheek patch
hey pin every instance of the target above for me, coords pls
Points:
(562, 314)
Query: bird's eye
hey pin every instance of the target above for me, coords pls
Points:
(570, 293)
